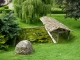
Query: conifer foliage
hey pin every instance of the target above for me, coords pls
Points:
(30, 10)
(8, 25)
(71, 8)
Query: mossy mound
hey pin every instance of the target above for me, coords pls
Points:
(35, 34)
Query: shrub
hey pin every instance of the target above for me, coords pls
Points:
(3, 40)
(8, 25)
(7, 10)
(57, 11)
(4, 9)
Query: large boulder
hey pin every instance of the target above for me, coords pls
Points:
(24, 47)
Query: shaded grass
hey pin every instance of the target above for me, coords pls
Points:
(69, 50)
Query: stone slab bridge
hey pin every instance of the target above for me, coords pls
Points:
(52, 25)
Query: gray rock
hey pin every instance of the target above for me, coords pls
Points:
(24, 47)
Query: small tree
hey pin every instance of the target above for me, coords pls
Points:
(71, 8)
(30, 10)
(3, 40)
(8, 26)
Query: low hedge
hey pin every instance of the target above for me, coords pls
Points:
(3, 40)
(36, 34)
(57, 12)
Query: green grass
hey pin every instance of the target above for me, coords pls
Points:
(68, 50)
(56, 9)
(23, 24)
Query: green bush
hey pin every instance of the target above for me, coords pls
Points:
(3, 40)
(8, 25)
(6, 7)
(56, 9)
(57, 12)
(7, 10)
(1, 9)
(4, 10)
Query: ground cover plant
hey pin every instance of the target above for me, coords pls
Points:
(66, 50)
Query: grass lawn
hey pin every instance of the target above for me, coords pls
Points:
(68, 50)
(23, 24)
